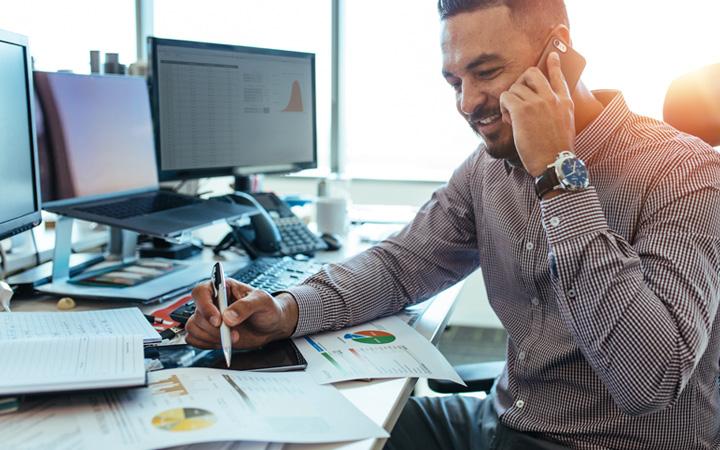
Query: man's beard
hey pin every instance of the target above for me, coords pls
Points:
(500, 146)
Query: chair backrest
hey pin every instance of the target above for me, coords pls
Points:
(692, 104)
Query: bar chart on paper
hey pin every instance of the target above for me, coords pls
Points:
(386, 348)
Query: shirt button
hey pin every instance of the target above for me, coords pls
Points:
(519, 403)
(554, 221)
(529, 246)
(522, 355)
(571, 293)
(535, 301)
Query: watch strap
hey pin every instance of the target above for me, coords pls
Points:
(546, 182)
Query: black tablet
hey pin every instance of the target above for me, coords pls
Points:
(279, 356)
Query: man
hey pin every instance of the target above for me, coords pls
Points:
(608, 290)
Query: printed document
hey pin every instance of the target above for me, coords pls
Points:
(191, 405)
(383, 348)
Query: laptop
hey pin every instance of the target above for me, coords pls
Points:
(100, 139)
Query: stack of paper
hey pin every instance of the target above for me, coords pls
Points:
(184, 406)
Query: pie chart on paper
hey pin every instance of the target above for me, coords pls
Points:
(184, 419)
(371, 337)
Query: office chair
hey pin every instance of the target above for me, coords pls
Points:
(692, 104)
(478, 377)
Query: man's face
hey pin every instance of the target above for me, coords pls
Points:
(484, 53)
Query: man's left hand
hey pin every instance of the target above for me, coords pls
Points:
(542, 115)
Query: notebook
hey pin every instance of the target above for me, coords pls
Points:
(39, 365)
(118, 322)
(68, 351)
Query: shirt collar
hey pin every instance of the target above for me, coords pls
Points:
(508, 167)
(616, 111)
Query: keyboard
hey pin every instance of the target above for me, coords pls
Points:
(268, 274)
(141, 205)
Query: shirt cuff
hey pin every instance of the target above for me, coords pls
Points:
(572, 214)
(310, 309)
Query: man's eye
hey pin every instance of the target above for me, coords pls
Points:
(490, 73)
(455, 84)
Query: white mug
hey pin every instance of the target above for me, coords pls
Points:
(332, 215)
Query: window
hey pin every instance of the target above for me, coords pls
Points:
(282, 24)
(62, 33)
(398, 113)
(640, 46)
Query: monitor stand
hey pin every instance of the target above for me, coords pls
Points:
(247, 183)
(242, 183)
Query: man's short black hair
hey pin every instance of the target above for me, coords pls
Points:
(536, 17)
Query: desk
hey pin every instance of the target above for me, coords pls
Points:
(381, 400)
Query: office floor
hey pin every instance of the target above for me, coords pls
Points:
(465, 345)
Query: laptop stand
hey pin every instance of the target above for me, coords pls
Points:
(123, 244)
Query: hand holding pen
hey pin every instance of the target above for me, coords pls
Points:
(217, 280)
(253, 316)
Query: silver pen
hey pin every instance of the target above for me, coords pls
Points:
(217, 278)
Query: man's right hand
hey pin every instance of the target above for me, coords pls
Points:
(254, 317)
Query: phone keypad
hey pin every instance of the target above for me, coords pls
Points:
(297, 238)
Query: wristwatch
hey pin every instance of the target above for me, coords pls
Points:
(568, 173)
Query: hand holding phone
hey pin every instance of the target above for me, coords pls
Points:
(572, 63)
(539, 106)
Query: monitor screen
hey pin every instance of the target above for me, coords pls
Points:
(98, 135)
(223, 109)
(20, 204)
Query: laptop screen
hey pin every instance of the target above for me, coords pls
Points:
(99, 136)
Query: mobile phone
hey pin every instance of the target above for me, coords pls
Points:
(278, 356)
(572, 63)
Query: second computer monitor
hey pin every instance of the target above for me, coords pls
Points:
(223, 109)
(19, 187)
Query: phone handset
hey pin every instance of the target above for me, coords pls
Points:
(263, 237)
(275, 231)
(572, 63)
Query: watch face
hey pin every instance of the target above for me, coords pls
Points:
(574, 174)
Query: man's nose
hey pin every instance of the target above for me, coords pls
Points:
(470, 99)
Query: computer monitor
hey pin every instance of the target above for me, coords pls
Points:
(98, 137)
(19, 185)
(231, 110)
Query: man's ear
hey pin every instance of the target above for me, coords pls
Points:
(563, 32)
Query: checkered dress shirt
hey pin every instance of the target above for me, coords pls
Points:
(609, 295)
